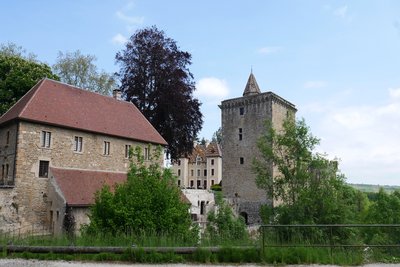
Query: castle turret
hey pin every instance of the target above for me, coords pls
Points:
(243, 122)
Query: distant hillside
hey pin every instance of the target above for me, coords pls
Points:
(375, 188)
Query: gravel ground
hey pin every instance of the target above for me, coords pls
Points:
(36, 263)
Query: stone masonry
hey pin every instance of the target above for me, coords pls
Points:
(243, 122)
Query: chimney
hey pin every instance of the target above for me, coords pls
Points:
(117, 94)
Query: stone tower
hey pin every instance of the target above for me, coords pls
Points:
(243, 122)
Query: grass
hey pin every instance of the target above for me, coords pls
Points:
(250, 251)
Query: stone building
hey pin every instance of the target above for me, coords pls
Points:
(243, 122)
(58, 145)
(197, 172)
(201, 169)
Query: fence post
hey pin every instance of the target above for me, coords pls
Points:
(331, 242)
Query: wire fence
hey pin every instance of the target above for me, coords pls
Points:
(385, 237)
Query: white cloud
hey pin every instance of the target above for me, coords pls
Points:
(267, 50)
(212, 87)
(131, 20)
(394, 93)
(119, 39)
(341, 11)
(365, 137)
(314, 84)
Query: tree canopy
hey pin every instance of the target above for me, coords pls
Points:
(80, 70)
(154, 75)
(307, 184)
(149, 202)
(18, 74)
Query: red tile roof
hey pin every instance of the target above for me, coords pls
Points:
(59, 104)
(80, 186)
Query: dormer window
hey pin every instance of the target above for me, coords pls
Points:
(198, 160)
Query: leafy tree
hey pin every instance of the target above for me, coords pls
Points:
(223, 225)
(147, 203)
(79, 70)
(305, 183)
(217, 136)
(18, 75)
(12, 49)
(155, 76)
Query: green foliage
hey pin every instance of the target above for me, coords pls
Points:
(80, 70)
(216, 187)
(17, 76)
(223, 226)
(148, 203)
(307, 184)
(155, 76)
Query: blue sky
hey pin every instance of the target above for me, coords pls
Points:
(337, 61)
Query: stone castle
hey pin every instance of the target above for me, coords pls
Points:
(243, 122)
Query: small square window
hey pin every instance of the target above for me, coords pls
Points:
(44, 169)
(241, 110)
(46, 139)
(106, 148)
(241, 160)
(78, 144)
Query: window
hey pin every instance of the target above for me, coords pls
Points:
(78, 144)
(127, 149)
(240, 133)
(3, 168)
(43, 169)
(198, 160)
(205, 172)
(106, 148)
(179, 172)
(179, 182)
(191, 172)
(146, 153)
(179, 162)
(198, 172)
(205, 184)
(212, 182)
(198, 184)
(46, 139)
(241, 160)
(8, 138)
(191, 183)
(212, 162)
(241, 110)
(7, 169)
(212, 171)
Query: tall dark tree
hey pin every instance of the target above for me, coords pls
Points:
(155, 76)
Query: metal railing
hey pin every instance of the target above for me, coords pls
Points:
(331, 236)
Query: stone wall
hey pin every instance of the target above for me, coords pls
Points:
(243, 122)
(28, 202)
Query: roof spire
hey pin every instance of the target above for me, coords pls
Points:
(251, 86)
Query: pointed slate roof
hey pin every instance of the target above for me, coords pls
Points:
(63, 105)
(251, 86)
